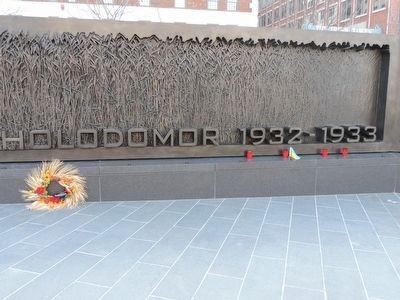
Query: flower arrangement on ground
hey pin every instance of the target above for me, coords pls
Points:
(55, 185)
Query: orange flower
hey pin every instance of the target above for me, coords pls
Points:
(53, 199)
(40, 190)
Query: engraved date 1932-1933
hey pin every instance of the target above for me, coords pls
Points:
(295, 135)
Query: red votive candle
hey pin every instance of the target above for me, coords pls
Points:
(285, 153)
(344, 152)
(324, 153)
(249, 154)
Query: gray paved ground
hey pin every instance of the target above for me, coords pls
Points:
(324, 247)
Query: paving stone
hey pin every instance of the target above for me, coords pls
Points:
(260, 282)
(363, 236)
(304, 229)
(11, 280)
(279, 213)
(392, 246)
(197, 216)
(380, 278)
(60, 276)
(160, 225)
(138, 283)
(352, 210)
(16, 253)
(79, 290)
(304, 205)
(304, 267)
(293, 293)
(336, 250)
(218, 287)
(213, 234)
(330, 218)
(113, 266)
(272, 241)
(249, 222)
(18, 233)
(108, 219)
(327, 201)
(149, 211)
(234, 256)
(186, 275)
(58, 230)
(182, 206)
(170, 247)
(344, 284)
(49, 256)
(260, 203)
(106, 242)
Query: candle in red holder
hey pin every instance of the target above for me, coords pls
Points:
(249, 154)
(324, 153)
(285, 153)
(344, 152)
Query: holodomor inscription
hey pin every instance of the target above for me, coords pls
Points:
(189, 137)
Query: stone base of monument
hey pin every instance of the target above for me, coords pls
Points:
(161, 179)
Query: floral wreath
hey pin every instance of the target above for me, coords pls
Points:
(55, 185)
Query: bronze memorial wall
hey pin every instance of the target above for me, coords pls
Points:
(76, 89)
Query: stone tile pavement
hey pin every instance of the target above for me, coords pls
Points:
(305, 247)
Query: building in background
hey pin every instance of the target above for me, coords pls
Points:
(222, 12)
(373, 16)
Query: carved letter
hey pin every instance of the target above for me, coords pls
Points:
(19, 139)
(212, 137)
(108, 131)
(142, 131)
(32, 135)
(194, 137)
(87, 131)
(163, 140)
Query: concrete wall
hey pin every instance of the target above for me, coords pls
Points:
(222, 177)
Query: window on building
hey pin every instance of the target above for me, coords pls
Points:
(361, 7)
(346, 10)
(321, 17)
(269, 18)
(261, 21)
(180, 3)
(291, 7)
(379, 4)
(332, 15)
(283, 11)
(300, 5)
(291, 24)
(212, 4)
(310, 3)
(231, 5)
(276, 14)
(264, 3)
(300, 23)
(144, 2)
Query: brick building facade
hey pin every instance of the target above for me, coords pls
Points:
(219, 5)
(353, 15)
(221, 12)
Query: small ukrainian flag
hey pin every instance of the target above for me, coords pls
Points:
(292, 154)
